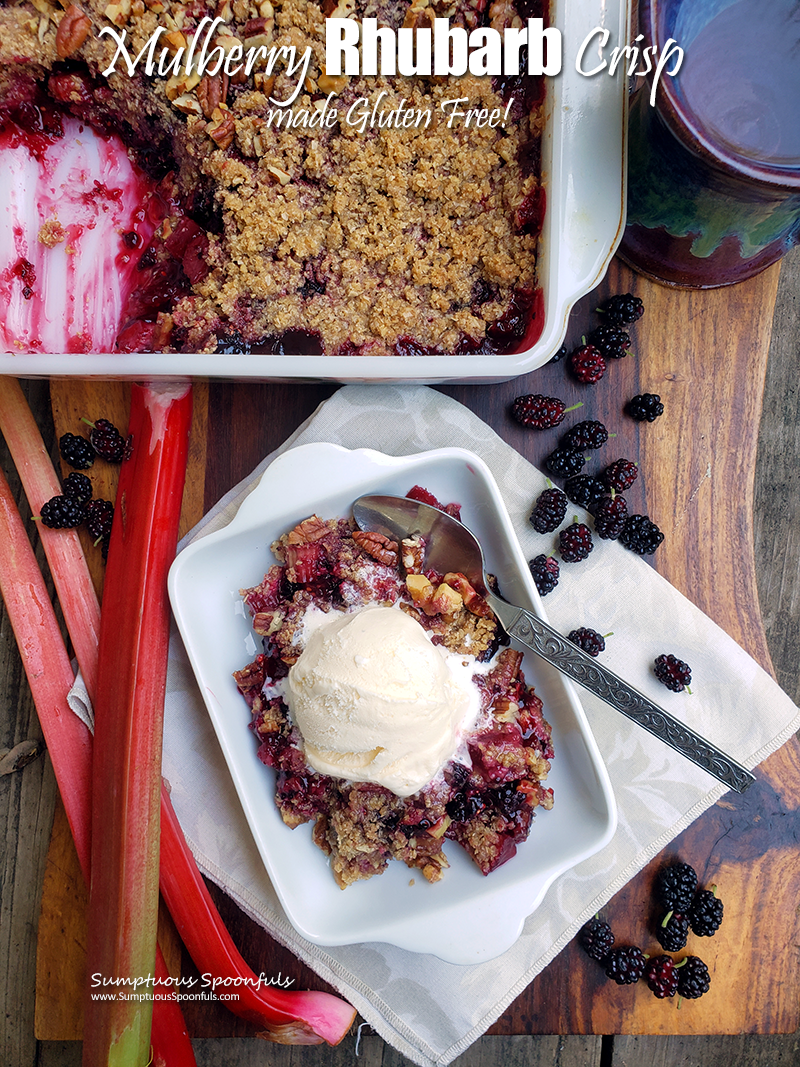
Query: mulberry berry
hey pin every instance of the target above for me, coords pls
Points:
(673, 673)
(661, 976)
(545, 571)
(575, 542)
(587, 364)
(565, 462)
(78, 488)
(646, 407)
(106, 440)
(611, 340)
(589, 640)
(62, 513)
(676, 886)
(625, 965)
(588, 434)
(705, 914)
(540, 412)
(693, 978)
(610, 513)
(620, 475)
(99, 516)
(623, 309)
(584, 490)
(596, 938)
(560, 354)
(641, 535)
(76, 451)
(549, 510)
(673, 931)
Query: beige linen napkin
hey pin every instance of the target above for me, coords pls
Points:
(429, 1010)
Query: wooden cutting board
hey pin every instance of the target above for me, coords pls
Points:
(705, 353)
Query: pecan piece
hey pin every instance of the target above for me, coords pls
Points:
(72, 31)
(413, 554)
(309, 530)
(211, 92)
(222, 126)
(381, 548)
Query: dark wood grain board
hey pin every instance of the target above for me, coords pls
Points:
(705, 353)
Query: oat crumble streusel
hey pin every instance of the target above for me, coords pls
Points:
(328, 239)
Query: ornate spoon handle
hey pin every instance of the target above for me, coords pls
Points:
(581, 668)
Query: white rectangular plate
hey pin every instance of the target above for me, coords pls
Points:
(466, 917)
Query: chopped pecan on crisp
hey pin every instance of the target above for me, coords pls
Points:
(309, 530)
(412, 555)
(72, 31)
(380, 547)
(211, 91)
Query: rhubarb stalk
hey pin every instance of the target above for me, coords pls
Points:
(62, 547)
(49, 672)
(301, 1017)
(129, 705)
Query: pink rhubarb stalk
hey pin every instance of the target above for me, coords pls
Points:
(282, 1015)
(129, 706)
(62, 547)
(50, 676)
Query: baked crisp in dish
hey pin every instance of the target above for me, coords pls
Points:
(346, 239)
(483, 795)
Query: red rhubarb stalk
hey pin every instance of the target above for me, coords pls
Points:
(129, 706)
(302, 1018)
(50, 676)
(62, 547)
(190, 904)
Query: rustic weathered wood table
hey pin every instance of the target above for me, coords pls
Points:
(706, 355)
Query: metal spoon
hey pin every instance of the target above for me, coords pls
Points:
(450, 546)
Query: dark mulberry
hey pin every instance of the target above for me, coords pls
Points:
(673, 932)
(62, 513)
(625, 965)
(675, 887)
(565, 462)
(106, 440)
(673, 673)
(693, 978)
(587, 364)
(596, 938)
(661, 976)
(587, 434)
(76, 451)
(575, 542)
(610, 513)
(641, 535)
(549, 510)
(584, 490)
(623, 309)
(620, 475)
(544, 570)
(78, 488)
(610, 340)
(540, 412)
(705, 914)
(646, 407)
(587, 639)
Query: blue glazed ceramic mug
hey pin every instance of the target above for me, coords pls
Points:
(714, 166)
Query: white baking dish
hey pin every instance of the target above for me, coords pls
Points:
(583, 169)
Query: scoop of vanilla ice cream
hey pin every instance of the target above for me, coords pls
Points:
(377, 701)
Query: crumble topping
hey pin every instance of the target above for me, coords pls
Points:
(348, 238)
(484, 798)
